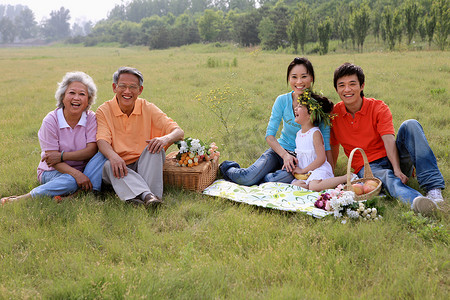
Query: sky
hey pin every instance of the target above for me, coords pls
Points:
(80, 10)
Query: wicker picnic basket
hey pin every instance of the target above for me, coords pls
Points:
(195, 178)
(368, 175)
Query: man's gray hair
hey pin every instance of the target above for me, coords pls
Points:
(128, 70)
(76, 77)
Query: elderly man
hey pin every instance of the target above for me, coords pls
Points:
(367, 123)
(133, 135)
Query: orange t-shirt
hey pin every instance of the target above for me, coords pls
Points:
(128, 134)
(363, 131)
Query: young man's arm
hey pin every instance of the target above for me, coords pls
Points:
(392, 154)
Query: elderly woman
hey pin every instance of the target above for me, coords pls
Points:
(70, 160)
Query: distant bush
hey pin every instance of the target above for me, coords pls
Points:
(75, 40)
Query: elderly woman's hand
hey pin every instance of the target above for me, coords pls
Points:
(83, 181)
(52, 158)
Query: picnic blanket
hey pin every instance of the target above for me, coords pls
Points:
(273, 195)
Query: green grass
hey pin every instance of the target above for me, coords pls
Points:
(195, 246)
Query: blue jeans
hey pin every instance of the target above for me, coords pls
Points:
(413, 150)
(267, 168)
(55, 183)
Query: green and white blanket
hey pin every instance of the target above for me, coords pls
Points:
(274, 195)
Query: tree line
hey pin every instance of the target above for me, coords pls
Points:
(18, 23)
(272, 24)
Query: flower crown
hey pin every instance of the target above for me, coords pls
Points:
(314, 108)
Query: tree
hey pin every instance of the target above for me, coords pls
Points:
(267, 34)
(226, 25)
(118, 13)
(360, 24)
(227, 5)
(25, 24)
(7, 30)
(57, 27)
(199, 6)
(77, 30)
(342, 24)
(441, 10)
(387, 31)
(430, 25)
(129, 33)
(178, 7)
(245, 28)
(278, 17)
(324, 29)
(376, 25)
(411, 14)
(103, 31)
(242, 5)
(87, 27)
(421, 28)
(156, 32)
(209, 25)
(184, 31)
(169, 19)
(292, 32)
(298, 28)
(139, 9)
(390, 26)
(148, 29)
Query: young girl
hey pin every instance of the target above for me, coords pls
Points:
(313, 171)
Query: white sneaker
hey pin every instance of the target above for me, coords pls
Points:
(435, 195)
(424, 206)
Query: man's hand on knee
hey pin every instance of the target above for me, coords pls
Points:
(157, 144)
(118, 167)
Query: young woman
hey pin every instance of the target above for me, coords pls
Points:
(278, 162)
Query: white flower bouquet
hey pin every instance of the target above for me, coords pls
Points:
(194, 151)
(343, 205)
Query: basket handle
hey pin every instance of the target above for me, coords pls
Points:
(367, 170)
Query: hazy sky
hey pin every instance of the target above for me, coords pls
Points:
(93, 10)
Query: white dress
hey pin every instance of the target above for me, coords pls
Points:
(306, 154)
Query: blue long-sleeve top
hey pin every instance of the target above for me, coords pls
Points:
(282, 112)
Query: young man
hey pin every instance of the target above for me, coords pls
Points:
(132, 134)
(367, 123)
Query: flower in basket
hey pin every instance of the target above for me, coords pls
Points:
(194, 151)
(343, 205)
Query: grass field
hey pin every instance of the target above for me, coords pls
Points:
(195, 246)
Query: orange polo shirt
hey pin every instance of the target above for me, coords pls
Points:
(363, 131)
(128, 135)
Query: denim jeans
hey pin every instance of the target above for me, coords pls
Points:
(413, 150)
(267, 168)
(55, 183)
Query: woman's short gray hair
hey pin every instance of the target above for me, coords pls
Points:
(76, 77)
(128, 70)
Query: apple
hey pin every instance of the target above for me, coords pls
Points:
(367, 188)
(358, 188)
(371, 182)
